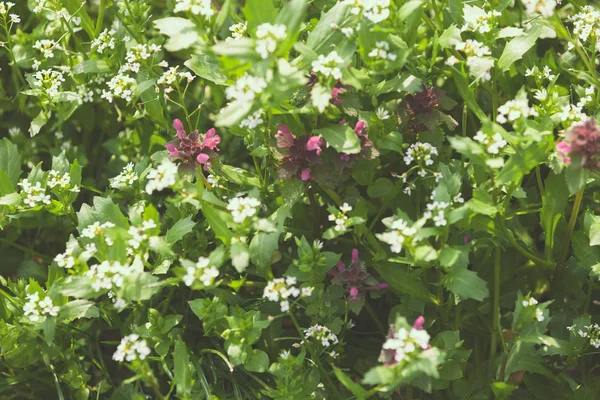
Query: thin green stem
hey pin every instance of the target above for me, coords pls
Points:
(567, 239)
(496, 305)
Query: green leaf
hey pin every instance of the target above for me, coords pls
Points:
(291, 15)
(380, 188)
(10, 164)
(217, 220)
(468, 95)
(77, 309)
(183, 372)
(515, 49)
(206, 67)
(180, 229)
(502, 390)
(181, 32)
(140, 286)
(240, 258)
(355, 388)
(554, 202)
(233, 113)
(401, 281)
(323, 38)
(465, 283)
(262, 246)
(341, 137)
(258, 12)
(94, 66)
(39, 122)
(257, 362)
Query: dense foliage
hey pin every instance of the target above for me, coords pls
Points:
(299, 199)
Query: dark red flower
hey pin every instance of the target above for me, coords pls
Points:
(423, 111)
(193, 149)
(299, 155)
(355, 279)
(583, 141)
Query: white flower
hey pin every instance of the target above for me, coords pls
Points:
(131, 348)
(479, 67)
(14, 131)
(539, 314)
(406, 343)
(458, 198)
(382, 51)
(47, 47)
(108, 275)
(280, 290)
(237, 31)
(161, 177)
(421, 152)
(37, 309)
(572, 113)
(66, 259)
(398, 234)
(493, 144)
(254, 120)
(513, 110)
(120, 86)
(14, 18)
(476, 19)
(267, 37)
(329, 65)
(96, 229)
(382, 113)
(348, 32)
(374, 10)
(544, 7)
(452, 60)
(55, 179)
(246, 88)
(321, 334)
(242, 208)
(125, 179)
(48, 80)
(5, 6)
(105, 40)
(202, 272)
(473, 48)
(196, 7)
(586, 24)
(33, 195)
(139, 235)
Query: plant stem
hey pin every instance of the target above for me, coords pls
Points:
(496, 305)
(567, 240)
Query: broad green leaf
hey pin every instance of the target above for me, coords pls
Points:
(181, 32)
(502, 390)
(180, 229)
(183, 370)
(465, 283)
(401, 281)
(518, 46)
(554, 202)
(258, 12)
(93, 66)
(206, 67)
(323, 37)
(77, 309)
(10, 163)
(355, 388)
(341, 137)
(380, 188)
(217, 220)
(257, 362)
(38, 122)
(261, 248)
(468, 95)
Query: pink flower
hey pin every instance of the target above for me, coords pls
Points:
(355, 279)
(418, 325)
(305, 175)
(367, 150)
(314, 144)
(193, 149)
(298, 155)
(582, 141)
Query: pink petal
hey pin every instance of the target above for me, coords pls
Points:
(202, 158)
(211, 139)
(354, 255)
(353, 292)
(314, 144)
(418, 325)
(178, 125)
(284, 137)
(173, 152)
(381, 286)
(360, 127)
(305, 175)
(340, 266)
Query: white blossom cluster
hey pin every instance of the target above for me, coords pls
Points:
(572, 113)
(254, 120)
(513, 110)
(282, 289)
(33, 195)
(55, 179)
(120, 86)
(49, 81)
(105, 40)
(237, 31)
(196, 7)
(436, 211)
(131, 348)
(161, 177)
(382, 52)
(268, 36)
(479, 20)
(97, 229)
(406, 342)
(66, 259)
(340, 218)
(321, 334)
(586, 24)
(201, 271)
(591, 332)
(125, 179)
(422, 153)
(374, 10)
(242, 208)
(543, 7)
(587, 98)
(246, 88)
(38, 308)
(5, 7)
(544, 73)
(108, 275)
(171, 76)
(493, 144)
(398, 234)
(531, 302)
(139, 234)
(137, 53)
(477, 61)
(46, 47)
(329, 65)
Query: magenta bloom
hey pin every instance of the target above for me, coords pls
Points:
(298, 155)
(583, 141)
(367, 150)
(355, 279)
(193, 149)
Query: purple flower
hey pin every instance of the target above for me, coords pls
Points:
(193, 149)
(355, 279)
(298, 155)
(581, 140)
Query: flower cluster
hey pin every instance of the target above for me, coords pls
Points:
(543, 7)
(108, 275)
(172, 76)
(193, 149)
(131, 348)
(477, 61)
(478, 20)
(422, 153)
(46, 47)
(299, 155)
(268, 36)
(382, 52)
(436, 211)
(105, 40)
(541, 74)
(161, 177)
(539, 313)
(375, 11)
(125, 179)
(329, 65)
(590, 332)
(66, 259)
(493, 144)
(355, 279)
(513, 110)
(242, 208)
(583, 141)
(398, 234)
(33, 195)
(237, 31)
(97, 229)
(139, 234)
(49, 81)
(282, 289)
(201, 271)
(246, 88)
(120, 86)
(340, 217)
(254, 120)
(321, 334)
(586, 25)
(403, 344)
(64, 182)
(196, 7)
(38, 308)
